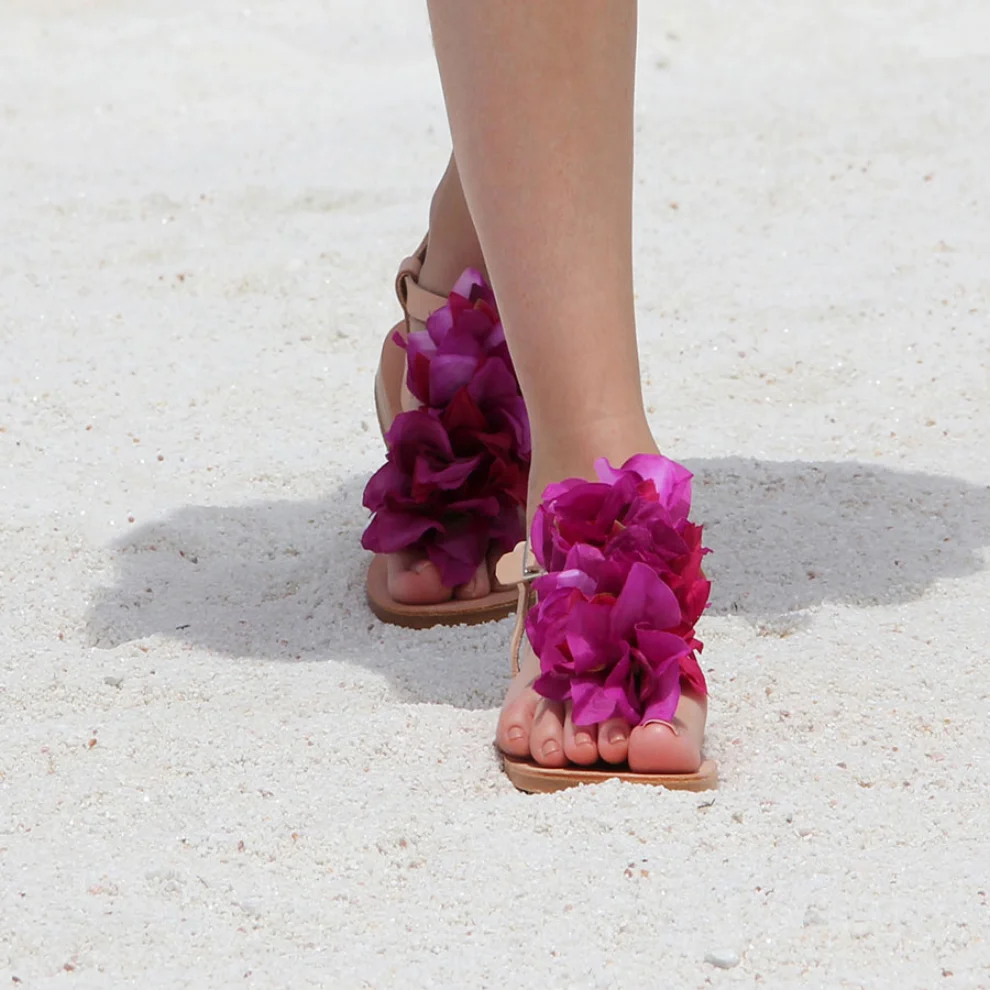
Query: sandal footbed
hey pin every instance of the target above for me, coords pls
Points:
(535, 779)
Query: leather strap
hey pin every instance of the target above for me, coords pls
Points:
(519, 568)
(523, 606)
(416, 302)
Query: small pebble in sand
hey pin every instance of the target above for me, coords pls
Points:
(722, 958)
(113, 681)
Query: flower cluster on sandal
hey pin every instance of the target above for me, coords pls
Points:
(454, 483)
(614, 623)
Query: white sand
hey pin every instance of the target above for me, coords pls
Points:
(217, 770)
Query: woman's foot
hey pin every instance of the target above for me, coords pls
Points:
(450, 498)
(413, 579)
(531, 726)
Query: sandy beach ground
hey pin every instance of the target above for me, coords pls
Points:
(217, 770)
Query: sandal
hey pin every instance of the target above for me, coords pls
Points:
(453, 487)
(614, 567)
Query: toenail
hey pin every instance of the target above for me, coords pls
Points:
(420, 566)
(616, 736)
(515, 734)
(660, 721)
(582, 739)
(551, 748)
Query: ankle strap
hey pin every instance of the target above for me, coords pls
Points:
(417, 303)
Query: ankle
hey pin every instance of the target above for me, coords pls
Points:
(574, 455)
(453, 244)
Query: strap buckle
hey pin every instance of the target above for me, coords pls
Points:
(519, 566)
(531, 569)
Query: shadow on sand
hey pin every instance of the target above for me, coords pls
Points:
(284, 580)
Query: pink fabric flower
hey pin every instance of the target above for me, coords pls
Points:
(614, 624)
(457, 469)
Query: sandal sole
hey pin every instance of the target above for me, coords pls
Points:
(533, 779)
(494, 606)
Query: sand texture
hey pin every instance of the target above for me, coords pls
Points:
(217, 770)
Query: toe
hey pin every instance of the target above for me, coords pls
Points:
(479, 585)
(415, 581)
(580, 741)
(671, 747)
(613, 740)
(515, 723)
(546, 738)
(660, 747)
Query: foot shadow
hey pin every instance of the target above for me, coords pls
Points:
(792, 535)
(285, 580)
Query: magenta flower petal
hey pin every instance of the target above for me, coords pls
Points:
(662, 652)
(666, 694)
(587, 637)
(644, 598)
(448, 373)
(439, 325)
(591, 703)
(457, 556)
(515, 421)
(451, 476)
(493, 380)
(582, 501)
(554, 683)
(575, 579)
(471, 280)
(474, 330)
(457, 469)
(391, 532)
(585, 558)
(622, 688)
(413, 432)
(671, 480)
(659, 645)
(386, 479)
(553, 491)
(546, 625)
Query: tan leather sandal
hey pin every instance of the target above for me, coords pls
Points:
(453, 486)
(611, 616)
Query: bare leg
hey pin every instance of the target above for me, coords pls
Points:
(540, 102)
